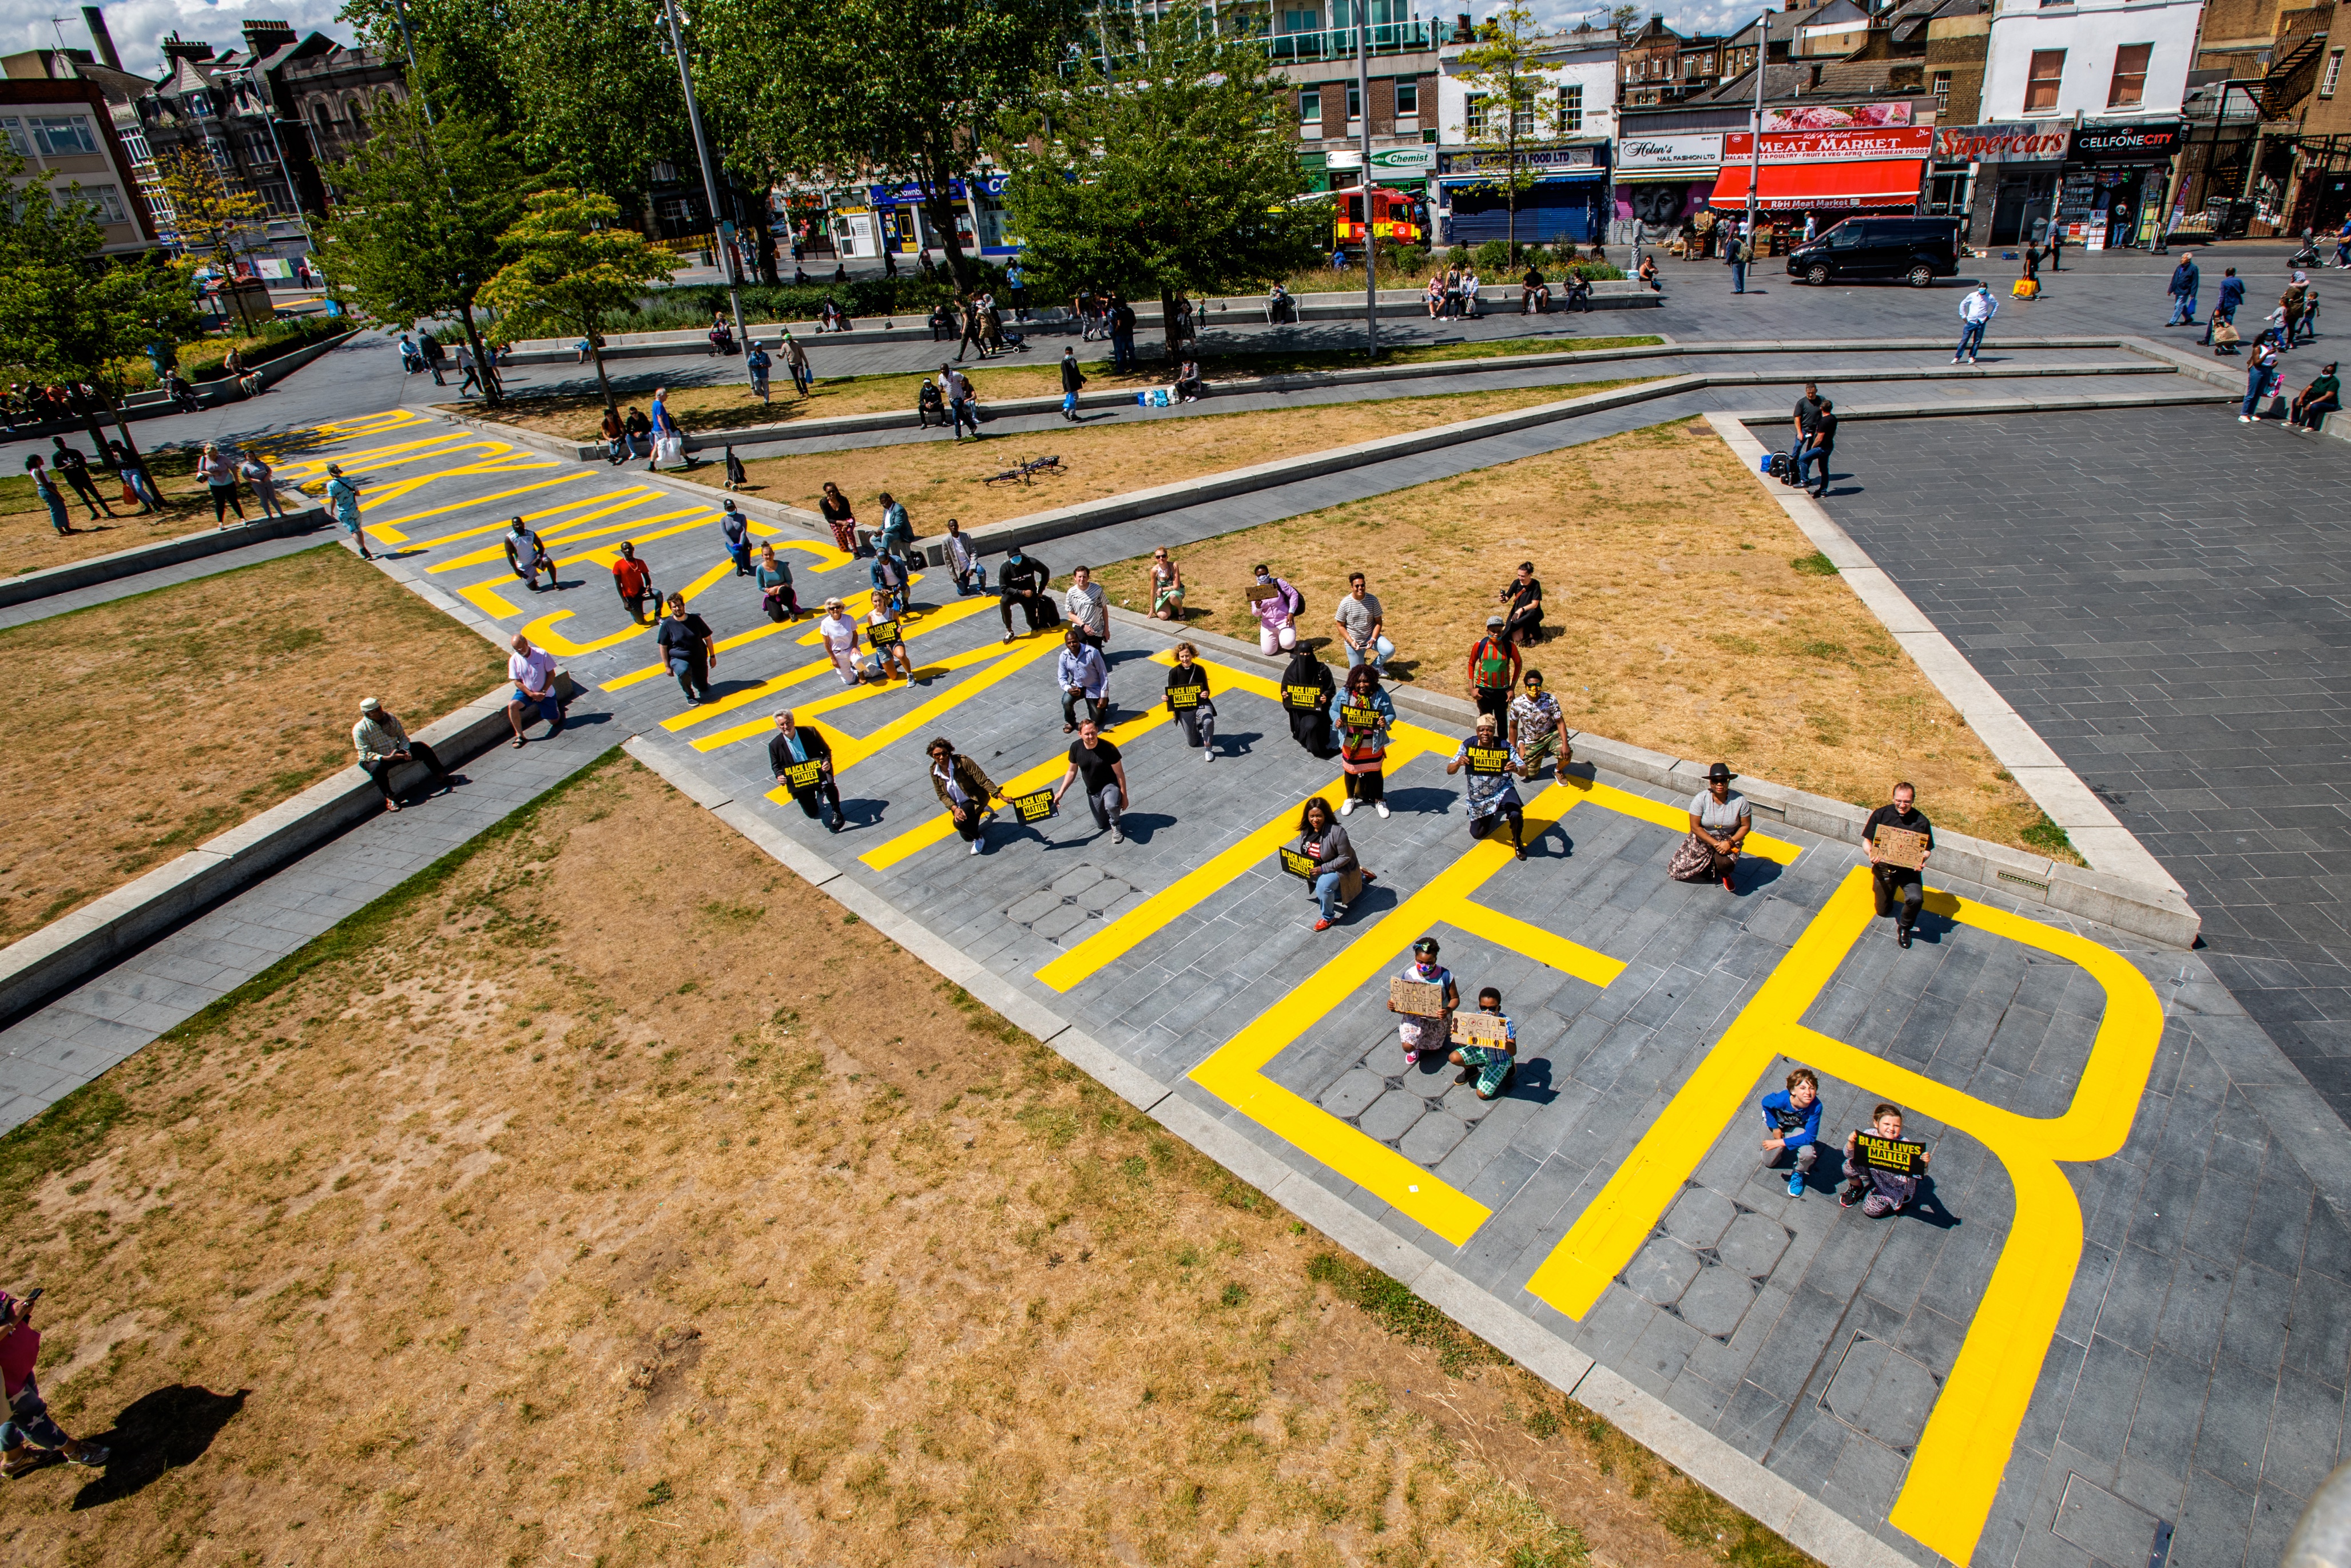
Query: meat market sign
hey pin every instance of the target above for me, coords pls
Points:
(2001, 144)
(1832, 146)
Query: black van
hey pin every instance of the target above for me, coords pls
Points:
(1916, 250)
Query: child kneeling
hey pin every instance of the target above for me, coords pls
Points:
(1879, 1192)
(1488, 1066)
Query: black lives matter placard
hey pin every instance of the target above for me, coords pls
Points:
(1302, 699)
(1354, 716)
(1488, 759)
(1299, 864)
(1181, 699)
(1892, 1154)
(803, 775)
(1035, 808)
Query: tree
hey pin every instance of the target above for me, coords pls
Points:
(1179, 179)
(1502, 74)
(209, 214)
(463, 50)
(596, 94)
(417, 235)
(911, 89)
(68, 314)
(1626, 20)
(572, 267)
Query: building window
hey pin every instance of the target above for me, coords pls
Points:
(2333, 70)
(1310, 108)
(1522, 121)
(1474, 116)
(1571, 109)
(1354, 101)
(1942, 93)
(1407, 93)
(136, 145)
(1302, 21)
(2041, 84)
(105, 200)
(63, 136)
(2129, 86)
(17, 142)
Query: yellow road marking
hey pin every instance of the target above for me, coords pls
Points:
(1235, 1072)
(808, 671)
(791, 677)
(914, 841)
(1955, 1472)
(484, 500)
(485, 598)
(850, 750)
(541, 630)
(569, 532)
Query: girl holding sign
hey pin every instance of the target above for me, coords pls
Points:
(1364, 714)
(1188, 700)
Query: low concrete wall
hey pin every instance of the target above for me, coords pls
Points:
(209, 394)
(62, 955)
(2156, 914)
(131, 562)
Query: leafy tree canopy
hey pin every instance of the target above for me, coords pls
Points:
(572, 267)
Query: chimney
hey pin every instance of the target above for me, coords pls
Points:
(176, 47)
(94, 19)
(266, 38)
(1461, 33)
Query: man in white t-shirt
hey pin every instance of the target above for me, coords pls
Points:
(840, 635)
(532, 670)
(1087, 607)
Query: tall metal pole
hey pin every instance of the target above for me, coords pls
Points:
(1755, 167)
(415, 81)
(1371, 247)
(709, 183)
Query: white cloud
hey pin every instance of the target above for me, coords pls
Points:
(138, 25)
(1686, 19)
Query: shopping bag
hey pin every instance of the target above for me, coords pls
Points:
(670, 451)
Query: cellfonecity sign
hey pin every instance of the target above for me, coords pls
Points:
(2140, 143)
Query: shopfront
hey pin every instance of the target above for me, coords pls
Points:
(1826, 175)
(904, 226)
(2112, 190)
(2011, 176)
(1662, 183)
(1568, 199)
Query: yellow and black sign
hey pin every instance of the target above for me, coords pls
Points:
(1302, 699)
(1299, 864)
(1889, 1153)
(1488, 759)
(1353, 717)
(799, 775)
(885, 634)
(1034, 808)
(1183, 699)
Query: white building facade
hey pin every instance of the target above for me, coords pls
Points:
(1564, 142)
(2117, 71)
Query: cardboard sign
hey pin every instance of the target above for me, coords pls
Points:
(885, 634)
(1889, 1153)
(1299, 864)
(1035, 808)
(1488, 760)
(799, 775)
(1260, 592)
(1183, 699)
(1302, 699)
(1481, 1029)
(1901, 846)
(1351, 717)
(1415, 998)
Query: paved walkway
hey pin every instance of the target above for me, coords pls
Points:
(2180, 635)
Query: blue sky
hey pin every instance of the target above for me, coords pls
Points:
(138, 24)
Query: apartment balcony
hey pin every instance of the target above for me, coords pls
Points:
(1339, 43)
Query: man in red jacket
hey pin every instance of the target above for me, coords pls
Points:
(28, 1436)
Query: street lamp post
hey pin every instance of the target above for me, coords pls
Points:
(1755, 166)
(709, 182)
(1371, 248)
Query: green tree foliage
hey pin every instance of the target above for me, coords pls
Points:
(1176, 178)
(572, 265)
(1501, 73)
(463, 48)
(597, 94)
(68, 314)
(902, 89)
(424, 211)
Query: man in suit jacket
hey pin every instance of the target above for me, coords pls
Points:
(796, 746)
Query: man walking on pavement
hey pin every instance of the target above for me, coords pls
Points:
(1808, 410)
(1734, 251)
(1121, 335)
(1975, 312)
(959, 396)
(2184, 278)
(1074, 380)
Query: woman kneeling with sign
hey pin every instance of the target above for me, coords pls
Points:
(963, 791)
(1188, 699)
(1326, 861)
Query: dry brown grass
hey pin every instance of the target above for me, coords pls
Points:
(1680, 619)
(940, 479)
(139, 729)
(732, 407)
(578, 1203)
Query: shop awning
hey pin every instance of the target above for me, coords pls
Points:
(1879, 183)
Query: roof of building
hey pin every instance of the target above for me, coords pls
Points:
(1791, 80)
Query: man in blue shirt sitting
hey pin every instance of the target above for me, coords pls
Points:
(1791, 1122)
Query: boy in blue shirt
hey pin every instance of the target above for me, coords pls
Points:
(1792, 1122)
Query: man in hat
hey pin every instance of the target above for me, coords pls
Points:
(383, 745)
(1899, 884)
(794, 746)
(1417, 1034)
(1719, 822)
(1493, 763)
(1494, 668)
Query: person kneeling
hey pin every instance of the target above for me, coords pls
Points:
(1339, 877)
(1490, 793)
(1719, 822)
(1792, 1126)
(1488, 1065)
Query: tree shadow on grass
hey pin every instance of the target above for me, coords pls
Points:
(154, 1432)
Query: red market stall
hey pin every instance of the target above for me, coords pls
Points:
(1827, 171)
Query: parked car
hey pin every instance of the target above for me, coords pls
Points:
(1916, 250)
